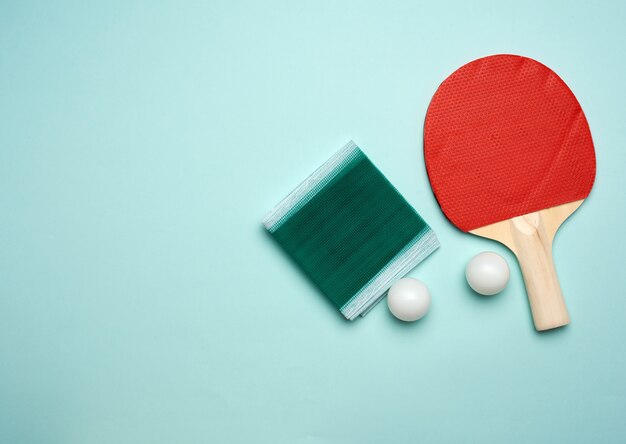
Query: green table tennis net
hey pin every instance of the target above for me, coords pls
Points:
(351, 231)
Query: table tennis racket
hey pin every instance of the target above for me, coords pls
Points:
(509, 156)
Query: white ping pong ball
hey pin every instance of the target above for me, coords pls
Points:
(487, 273)
(408, 299)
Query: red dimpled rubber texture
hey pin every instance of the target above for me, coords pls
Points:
(504, 136)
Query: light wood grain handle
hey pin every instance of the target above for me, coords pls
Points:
(532, 236)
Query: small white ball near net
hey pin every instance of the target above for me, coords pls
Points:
(408, 299)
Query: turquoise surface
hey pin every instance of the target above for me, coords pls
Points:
(141, 300)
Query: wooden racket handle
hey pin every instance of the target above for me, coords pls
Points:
(532, 236)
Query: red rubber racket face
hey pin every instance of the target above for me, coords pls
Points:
(504, 136)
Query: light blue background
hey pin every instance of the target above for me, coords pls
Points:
(140, 300)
